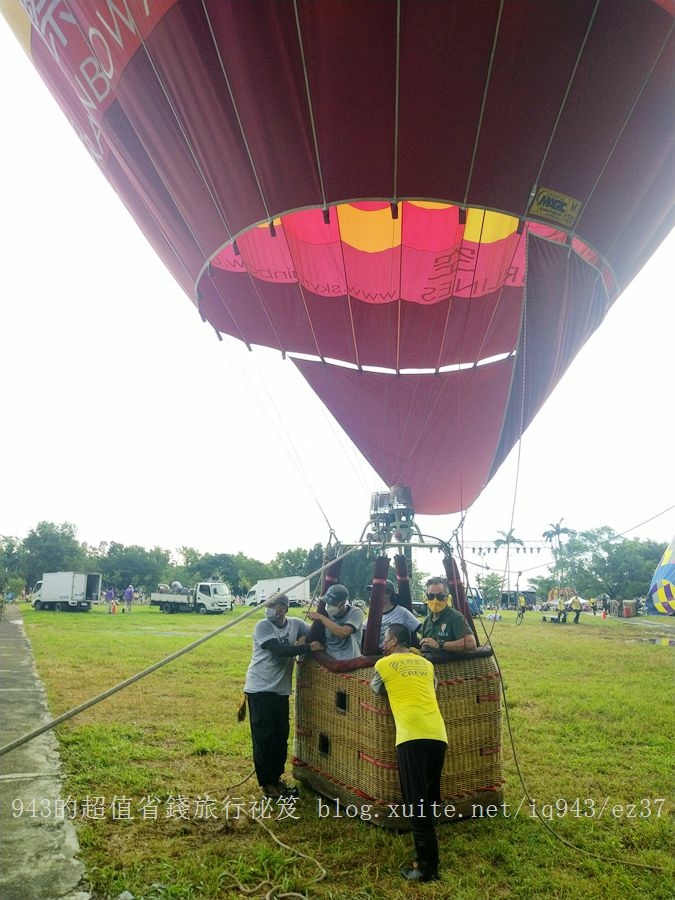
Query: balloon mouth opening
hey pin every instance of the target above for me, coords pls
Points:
(322, 248)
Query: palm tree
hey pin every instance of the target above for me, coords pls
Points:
(554, 533)
(506, 540)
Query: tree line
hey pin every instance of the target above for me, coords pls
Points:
(599, 562)
(593, 563)
(51, 547)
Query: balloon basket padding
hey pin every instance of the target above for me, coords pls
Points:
(345, 741)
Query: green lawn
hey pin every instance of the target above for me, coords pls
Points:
(591, 711)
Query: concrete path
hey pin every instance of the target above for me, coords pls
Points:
(37, 846)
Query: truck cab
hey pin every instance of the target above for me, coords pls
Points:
(212, 596)
(205, 597)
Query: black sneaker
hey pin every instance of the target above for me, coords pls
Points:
(287, 791)
(273, 791)
(414, 873)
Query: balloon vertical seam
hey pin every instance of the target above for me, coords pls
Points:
(563, 102)
(483, 104)
(310, 105)
(397, 78)
(619, 135)
(236, 112)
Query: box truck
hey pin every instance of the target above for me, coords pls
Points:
(263, 590)
(67, 591)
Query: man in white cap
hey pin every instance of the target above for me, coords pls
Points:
(343, 624)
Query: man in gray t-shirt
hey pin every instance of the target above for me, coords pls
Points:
(268, 686)
(343, 624)
(270, 671)
(392, 614)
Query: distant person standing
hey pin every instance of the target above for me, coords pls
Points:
(576, 607)
(128, 598)
(562, 613)
(109, 597)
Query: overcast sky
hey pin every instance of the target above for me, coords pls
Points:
(123, 414)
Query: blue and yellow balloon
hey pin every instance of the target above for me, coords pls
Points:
(661, 597)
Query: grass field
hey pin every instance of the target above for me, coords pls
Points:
(591, 712)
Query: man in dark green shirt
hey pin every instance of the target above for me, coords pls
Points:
(444, 628)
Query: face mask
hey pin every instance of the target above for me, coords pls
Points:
(436, 606)
(334, 612)
(271, 613)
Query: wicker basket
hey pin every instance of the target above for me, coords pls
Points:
(345, 742)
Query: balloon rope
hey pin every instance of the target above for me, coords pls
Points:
(483, 103)
(617, 139)
(397, 91)
(522, 358)
(421, 430)
(533, 805)
(141, 192)
(216, 205)
(207, 257)
(162, 662)
(234, 107)
(188, 144)
(565, 96)
(272, 890)
(606, 543)
(261, 390)
(293, 454)
(310, 105)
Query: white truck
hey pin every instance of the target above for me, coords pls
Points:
(263, 590)
(205, 597)
(67, 591)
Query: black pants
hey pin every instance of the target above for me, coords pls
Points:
(420, 764)
(269, 732)
(576, 616)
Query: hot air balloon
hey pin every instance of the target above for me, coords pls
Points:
(428, 207)
(661, 596)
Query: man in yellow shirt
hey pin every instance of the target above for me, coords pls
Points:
(409, 682)
(562, 612)
(576, 606)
